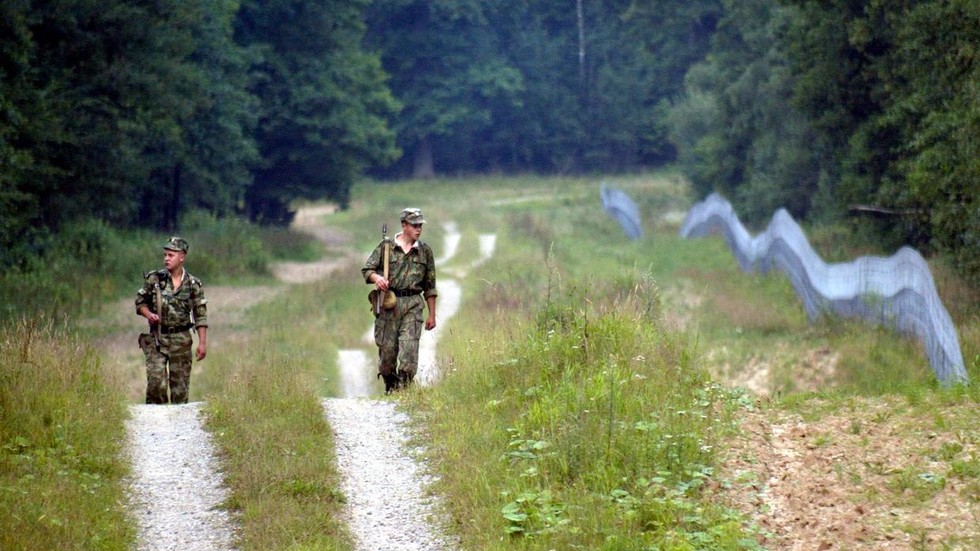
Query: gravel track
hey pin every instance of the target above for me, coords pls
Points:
(177, 485)
(388, 506)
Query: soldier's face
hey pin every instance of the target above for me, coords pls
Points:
(413, 231)
(173, 259)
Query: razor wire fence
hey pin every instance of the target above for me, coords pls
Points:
(897, 292)
(619, 206)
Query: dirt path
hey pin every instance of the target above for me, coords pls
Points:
(389, 506)
(176, 485)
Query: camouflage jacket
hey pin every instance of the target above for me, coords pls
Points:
(185, 306)
(414, 271)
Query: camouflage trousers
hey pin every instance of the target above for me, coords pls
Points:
(397, 332)
(174, 354)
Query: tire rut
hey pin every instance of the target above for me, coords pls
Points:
(177, 490)
(388, 505)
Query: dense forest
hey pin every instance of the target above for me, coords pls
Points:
(139, 112)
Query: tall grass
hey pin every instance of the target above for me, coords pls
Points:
(61, 422)
(586, 427)
(264, 408)
(277, 445)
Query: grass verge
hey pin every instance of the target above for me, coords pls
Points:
(276, 445)
(586, 427)
(61, 466)
(264, 409)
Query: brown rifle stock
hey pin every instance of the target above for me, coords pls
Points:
(156, 333)
(380, 296)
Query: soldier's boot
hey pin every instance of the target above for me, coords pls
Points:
(391, 382)
(404, 379)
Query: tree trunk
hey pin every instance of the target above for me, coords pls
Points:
(174, 217)
(423, 160)
(580, 18)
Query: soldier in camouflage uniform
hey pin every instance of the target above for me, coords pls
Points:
(168, 345)
(412, 278)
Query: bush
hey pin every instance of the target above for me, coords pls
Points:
(224, 249)
(72, 271)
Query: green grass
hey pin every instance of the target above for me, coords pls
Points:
(503, 410)
(61, 432)
(263, 406)
(587, 427)
(569, 417)
(579, 408)
(276, 443)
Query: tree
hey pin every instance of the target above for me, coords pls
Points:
(446, 70)
(209, 163)
(552, 87)
(18, 207)
(735, 130)
(323, 103)
(935, 106)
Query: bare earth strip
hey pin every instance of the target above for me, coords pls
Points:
(862, 478)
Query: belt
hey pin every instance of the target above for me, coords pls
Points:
(176, 329)
(405, 293)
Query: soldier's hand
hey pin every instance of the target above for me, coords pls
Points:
(201, 352)
(381, 283)
(153, 318)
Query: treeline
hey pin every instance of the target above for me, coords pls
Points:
(833, 108)
(136, 111)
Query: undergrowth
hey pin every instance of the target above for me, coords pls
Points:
(76, 270)
(588, 427)
(61, 466)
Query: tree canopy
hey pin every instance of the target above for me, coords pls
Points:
(136, 112)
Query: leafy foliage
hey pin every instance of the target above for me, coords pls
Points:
(517, 86)
(828, 108)
(322, 102)
(136, 113)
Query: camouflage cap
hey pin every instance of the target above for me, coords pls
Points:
(176, 244)
(412, 216)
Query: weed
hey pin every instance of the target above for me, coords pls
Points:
(610, 426)
(61, 427)
(965, 468)
(949, 450)
(917, 485)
